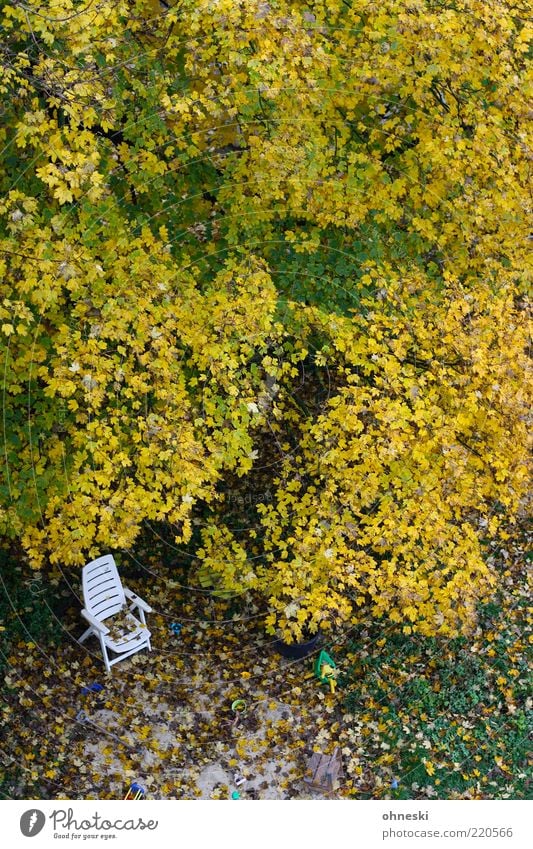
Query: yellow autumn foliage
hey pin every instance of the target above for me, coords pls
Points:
(206, 206)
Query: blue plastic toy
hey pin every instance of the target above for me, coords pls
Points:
(92, 688)
(135, 792)
(176, 628)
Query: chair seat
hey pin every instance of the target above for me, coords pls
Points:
(125, 632)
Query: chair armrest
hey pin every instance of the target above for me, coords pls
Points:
(95, 622)
(137, 601)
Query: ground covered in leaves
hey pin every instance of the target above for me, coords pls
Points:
(413, 718)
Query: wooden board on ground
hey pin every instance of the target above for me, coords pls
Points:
(323, 771)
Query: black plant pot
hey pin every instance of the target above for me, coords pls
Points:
(295, 651)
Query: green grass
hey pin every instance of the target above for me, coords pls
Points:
(444, 719)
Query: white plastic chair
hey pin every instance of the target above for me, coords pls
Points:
(105, 597)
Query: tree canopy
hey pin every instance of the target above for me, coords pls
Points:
(276, 242)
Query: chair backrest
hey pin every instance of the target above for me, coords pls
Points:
(102, 589)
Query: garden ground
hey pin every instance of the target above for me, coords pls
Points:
(413, 718)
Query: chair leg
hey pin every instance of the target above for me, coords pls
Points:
(104, 652)
(85, 634)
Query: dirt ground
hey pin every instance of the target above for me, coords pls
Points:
(164, 718)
